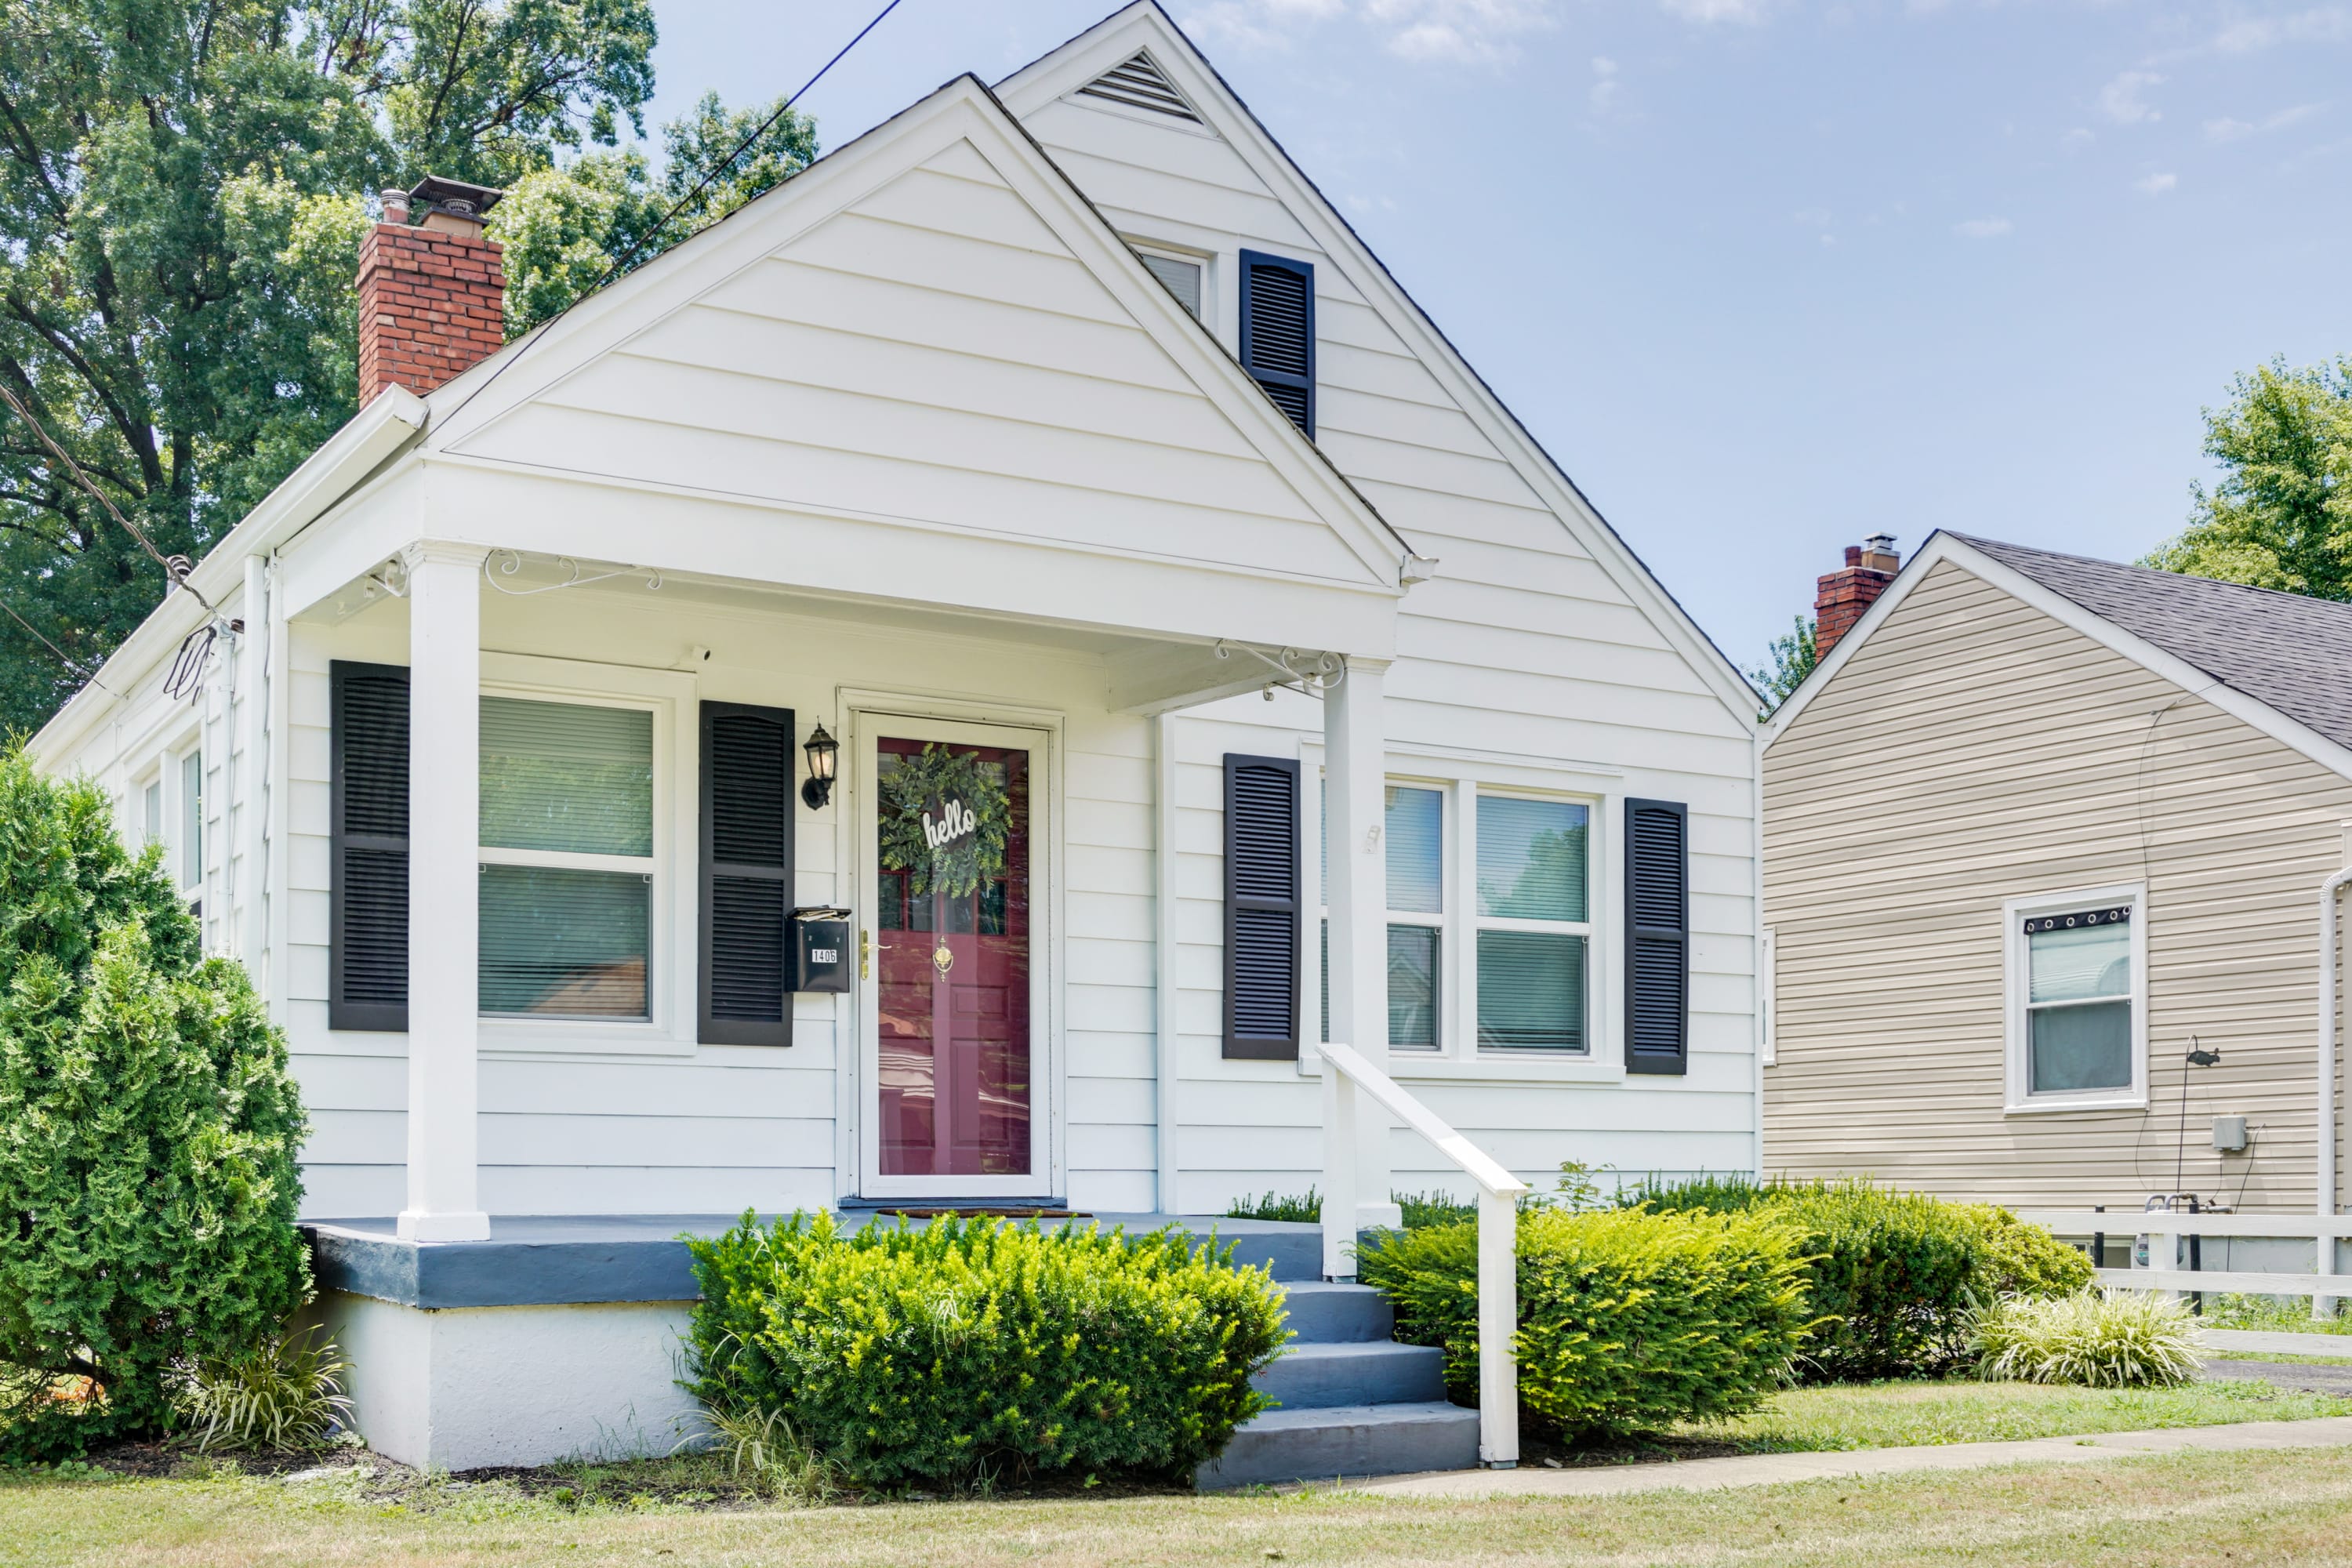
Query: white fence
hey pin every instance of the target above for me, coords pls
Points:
(2164, 1228)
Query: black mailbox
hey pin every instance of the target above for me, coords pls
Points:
(821, 950)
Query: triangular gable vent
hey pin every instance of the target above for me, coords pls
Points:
(1139, 84)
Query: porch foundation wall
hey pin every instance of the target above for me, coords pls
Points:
(461, 1388)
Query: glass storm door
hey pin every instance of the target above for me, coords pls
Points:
(948, 823)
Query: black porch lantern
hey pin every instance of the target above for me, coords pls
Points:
(821, 750)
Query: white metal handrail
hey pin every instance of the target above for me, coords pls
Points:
(2164, 1227)
(1346, 1072)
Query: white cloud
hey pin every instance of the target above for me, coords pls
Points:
(1475, 32)
(2121, 99)
(1462, 31)
(1982, 228)
(2155, 185)
(1606, 87)
(2321, 24)
(1748, 12)
(2077, 136)
(2228, 129)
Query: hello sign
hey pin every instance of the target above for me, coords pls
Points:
(948, 824)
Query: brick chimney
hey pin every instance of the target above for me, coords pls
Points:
(431, 294)
(1842, 596)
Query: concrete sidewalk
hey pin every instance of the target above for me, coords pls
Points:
(1767, 1469)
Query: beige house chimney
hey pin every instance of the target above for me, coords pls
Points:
(1841, 597)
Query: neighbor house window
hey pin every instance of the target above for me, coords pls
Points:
(1534, 923)
(567, 858)
(1515, 942)
(2077, 999)
(151, 812)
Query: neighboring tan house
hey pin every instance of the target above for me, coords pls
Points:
(1057, 453)
(2037, 827)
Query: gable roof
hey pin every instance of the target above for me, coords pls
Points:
(468, 411)
(2289, 651)
(2281, 662)
(1145, 28)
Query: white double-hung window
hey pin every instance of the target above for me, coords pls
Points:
(2077, 986)
(567, 859)
(1490, 921)
(1535, 924)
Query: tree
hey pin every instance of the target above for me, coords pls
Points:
(2281, 516)
(564, 227)
(182, 198)
(1792, 660)
(149, 1130)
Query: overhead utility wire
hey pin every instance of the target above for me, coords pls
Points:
(176, 567)
(71, 663)
(682, 202)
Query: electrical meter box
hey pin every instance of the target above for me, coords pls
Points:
(822, 940)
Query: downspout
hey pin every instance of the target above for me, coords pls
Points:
(2323, 1261)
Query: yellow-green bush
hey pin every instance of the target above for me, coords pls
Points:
(1628, 1320)
(962, 1347)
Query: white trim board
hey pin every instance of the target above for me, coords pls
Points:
(1942, 547)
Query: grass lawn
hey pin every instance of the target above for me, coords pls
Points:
(1891, 1415)
(2182, 1509)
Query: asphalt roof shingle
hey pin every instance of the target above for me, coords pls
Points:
(2288, 651)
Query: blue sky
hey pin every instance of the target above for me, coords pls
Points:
(1768, 276)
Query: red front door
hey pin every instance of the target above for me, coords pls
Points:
(952, 938)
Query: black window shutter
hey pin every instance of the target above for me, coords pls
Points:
(1657, 937)
(1261, 907)
(747, 874)
(1278, 333)
(367, 985)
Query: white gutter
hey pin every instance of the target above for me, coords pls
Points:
(395, 418)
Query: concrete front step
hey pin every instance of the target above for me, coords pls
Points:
(1376, 1371)
(1331, 1441)
(1322, 1311)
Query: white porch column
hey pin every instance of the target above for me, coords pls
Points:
(445, 682)
(1355, 769)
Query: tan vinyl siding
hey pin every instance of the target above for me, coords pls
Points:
(1976, 750)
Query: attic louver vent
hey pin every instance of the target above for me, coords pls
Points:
(1140, 85)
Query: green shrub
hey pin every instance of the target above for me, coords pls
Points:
(148, 1133)
(285, 1393)
(2130, 1339)
(1295, 1209)
(1628, 1320)
(2022, 1259)
(1420, 1208)
(1702, 1193)
(902, 1354)
(1898, 1272)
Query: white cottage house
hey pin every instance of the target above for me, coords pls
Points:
(968, 583)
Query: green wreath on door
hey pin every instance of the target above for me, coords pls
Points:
(920, 782)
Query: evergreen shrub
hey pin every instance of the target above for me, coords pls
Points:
(1628, 1322)
(968, 1348)
(1896, 1275)
(148, 1133)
